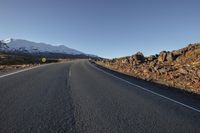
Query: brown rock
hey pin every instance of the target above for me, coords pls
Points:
(183, 71)
(178, 59)
(170, 57)
(163, 70)
(125, 60)
(198, 73)
(151, 58)
(156, 68)
(146, 70)
(152, 64)
(177, 53)
(162, 56)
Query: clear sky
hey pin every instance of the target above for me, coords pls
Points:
(108, 28)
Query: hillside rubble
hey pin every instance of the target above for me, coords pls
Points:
(178, 68)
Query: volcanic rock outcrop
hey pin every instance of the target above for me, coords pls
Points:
(178, 68)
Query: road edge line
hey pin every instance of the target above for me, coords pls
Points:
(152, 92)
(23, 70)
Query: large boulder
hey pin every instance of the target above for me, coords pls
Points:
(138, 58)
(177, 53)
(162, 56)
(170, 57)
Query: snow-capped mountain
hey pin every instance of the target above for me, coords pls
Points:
(8, 40)
(33, 47)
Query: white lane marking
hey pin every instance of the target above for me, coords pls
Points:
(23, 70)
(172, 100)
(70, 73)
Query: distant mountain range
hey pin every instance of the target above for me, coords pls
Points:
(33, 47)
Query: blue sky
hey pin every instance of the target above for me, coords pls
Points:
(108, 28)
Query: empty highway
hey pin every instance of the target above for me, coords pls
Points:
(79, 97)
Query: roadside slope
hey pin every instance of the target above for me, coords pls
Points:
(178, 68)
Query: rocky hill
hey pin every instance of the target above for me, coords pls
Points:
(178, 68)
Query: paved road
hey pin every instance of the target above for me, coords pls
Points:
(77, 97)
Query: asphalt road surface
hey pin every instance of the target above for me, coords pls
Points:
(78, 97)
